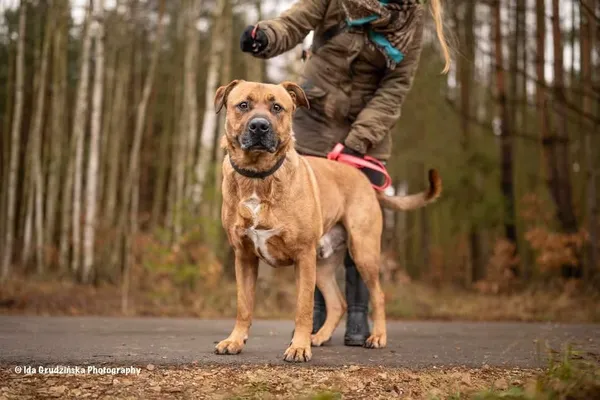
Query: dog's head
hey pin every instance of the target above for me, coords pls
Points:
(259, 116)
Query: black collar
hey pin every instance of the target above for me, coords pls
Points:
(257, 174)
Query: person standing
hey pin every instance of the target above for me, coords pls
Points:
(361, 66)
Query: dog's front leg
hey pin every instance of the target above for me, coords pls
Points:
(246, 271)
(306, 272)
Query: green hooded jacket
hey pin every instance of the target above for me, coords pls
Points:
(354, 97)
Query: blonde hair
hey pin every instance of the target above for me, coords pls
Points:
(437, 12)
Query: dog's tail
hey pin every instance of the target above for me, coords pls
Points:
(414, 201)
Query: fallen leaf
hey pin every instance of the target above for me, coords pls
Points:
(501, 384)
(57, 391)
(466, 379)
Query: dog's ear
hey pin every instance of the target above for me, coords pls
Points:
(222, 93)
(297, 94)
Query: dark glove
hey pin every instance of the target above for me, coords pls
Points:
(352, 152)
(255, 44)
(376, 177)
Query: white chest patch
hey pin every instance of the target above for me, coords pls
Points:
(259, 236)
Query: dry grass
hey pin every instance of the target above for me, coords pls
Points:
(570, 376)
(252, 382)
(276, 301)
(419, 301)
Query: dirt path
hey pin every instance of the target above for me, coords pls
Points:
(171, 342)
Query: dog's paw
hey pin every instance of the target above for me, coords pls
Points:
(297, 354)
(228, 346)
(319, 340)
(376, 341)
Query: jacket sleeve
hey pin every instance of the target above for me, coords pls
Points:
(384, 109)
(289, 29)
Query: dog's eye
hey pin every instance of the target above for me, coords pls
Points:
(243, 106)
(277, 108)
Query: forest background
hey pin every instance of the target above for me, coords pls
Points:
(110, 164)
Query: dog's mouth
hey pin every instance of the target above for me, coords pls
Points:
(259, 143)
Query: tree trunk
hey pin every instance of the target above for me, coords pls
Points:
(573, 34)
(588, 27)
(36, 137)
(117, 131)
(79, 126)
(507, 185)
(517, 120)
(563, 188)
(190, 84)
(130, 250)
(15, 145)
(92, 172)
(225, 79)
(525, 49)
(176, 199)
(65, 226)
(566, 215)
(162, 168)
(129, 198)
(28, 229)
(547, 149)
(209, 122)
(113, 44)
(32, 163)
(5, 143)
(173, 224)
(58, 117)
(474, 269)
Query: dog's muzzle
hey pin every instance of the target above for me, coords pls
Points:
(259, 136)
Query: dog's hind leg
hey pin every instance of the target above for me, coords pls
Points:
(364, 243)
(334, 300)
(246, 272)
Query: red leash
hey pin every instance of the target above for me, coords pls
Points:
(356, 162)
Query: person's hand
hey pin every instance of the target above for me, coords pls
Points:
(351, 152)
(253, 40)
(376, 177)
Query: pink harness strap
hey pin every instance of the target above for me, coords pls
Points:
(367, 162)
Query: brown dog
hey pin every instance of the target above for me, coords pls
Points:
(287, 209)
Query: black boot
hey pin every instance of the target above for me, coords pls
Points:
(319, 312)
(357, 296)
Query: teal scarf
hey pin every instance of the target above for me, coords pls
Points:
(387, 24)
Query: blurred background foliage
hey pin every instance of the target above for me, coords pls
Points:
(110, 158)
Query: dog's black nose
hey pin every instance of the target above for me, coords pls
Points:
(259, 125)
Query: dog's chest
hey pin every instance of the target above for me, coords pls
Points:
(259, 228)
